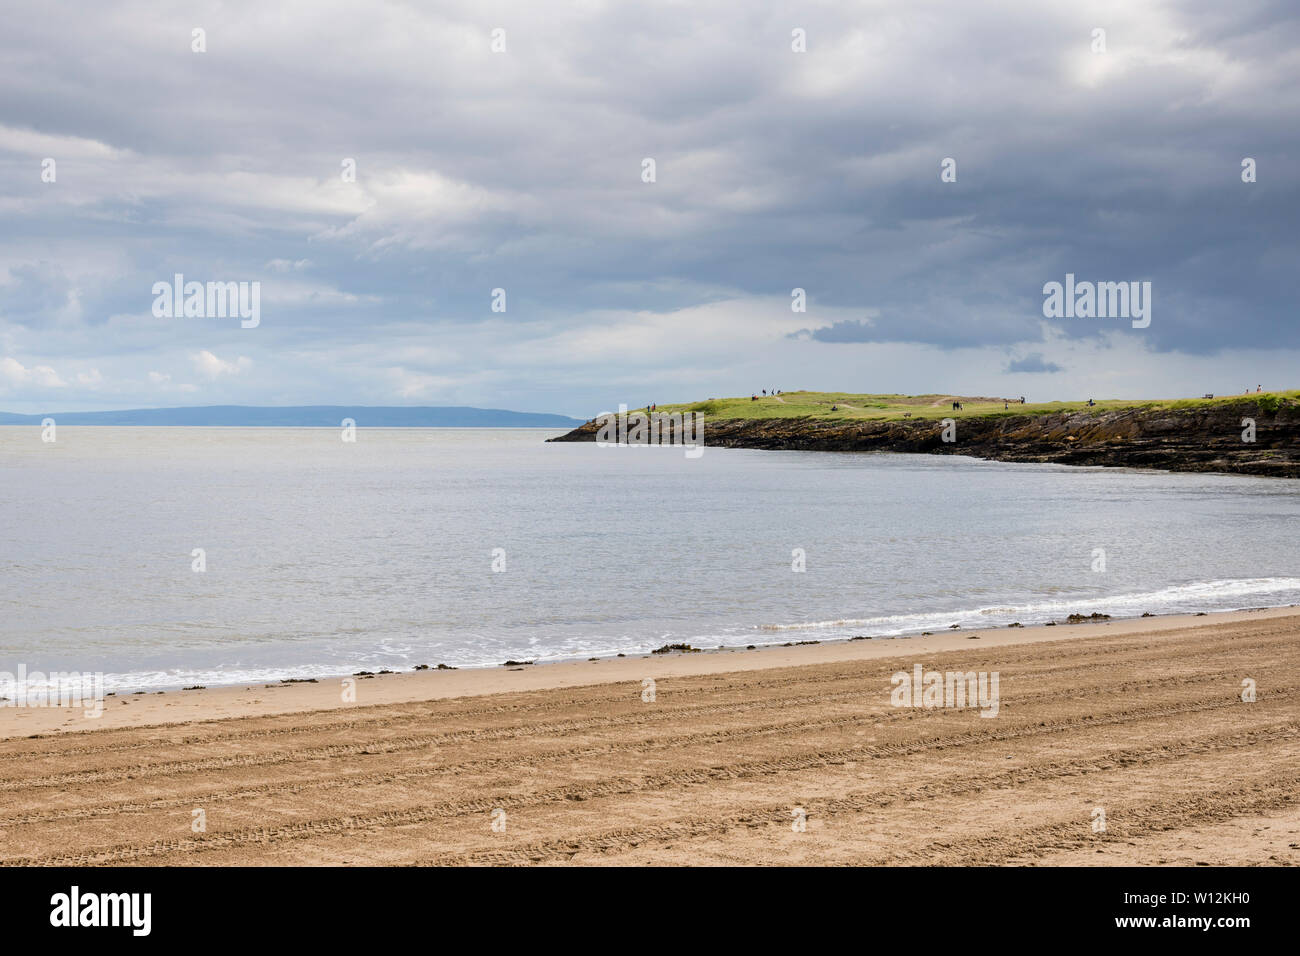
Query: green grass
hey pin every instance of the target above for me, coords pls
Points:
(864, 407)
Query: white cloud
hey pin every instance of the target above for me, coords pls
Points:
(33, 143)
(288, 265)
(42, 376)
(212, 367)
(413, 385)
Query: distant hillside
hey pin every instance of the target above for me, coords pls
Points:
(308, 416)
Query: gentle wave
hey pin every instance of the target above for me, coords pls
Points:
(1182, 598)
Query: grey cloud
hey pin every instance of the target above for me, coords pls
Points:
(1032, 363)
(775, 170)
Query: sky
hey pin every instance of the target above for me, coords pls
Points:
(503, 146)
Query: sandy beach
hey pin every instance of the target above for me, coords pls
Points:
(789, 755)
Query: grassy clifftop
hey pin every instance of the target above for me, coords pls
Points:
(849, 406)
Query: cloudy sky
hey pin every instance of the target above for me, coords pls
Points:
(522, 170)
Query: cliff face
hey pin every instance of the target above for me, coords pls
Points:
(1207, 439)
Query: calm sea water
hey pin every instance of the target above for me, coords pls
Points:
(325, 557)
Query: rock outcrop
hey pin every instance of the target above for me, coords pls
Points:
(1200, 438)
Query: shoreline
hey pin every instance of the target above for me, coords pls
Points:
(1201, 438)
(148, 708)
(304, 675)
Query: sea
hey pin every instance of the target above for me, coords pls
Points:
(169, 557)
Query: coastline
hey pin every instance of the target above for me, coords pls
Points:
(1207, 438)
(140, 709)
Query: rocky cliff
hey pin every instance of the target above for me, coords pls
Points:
(1204, 438)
